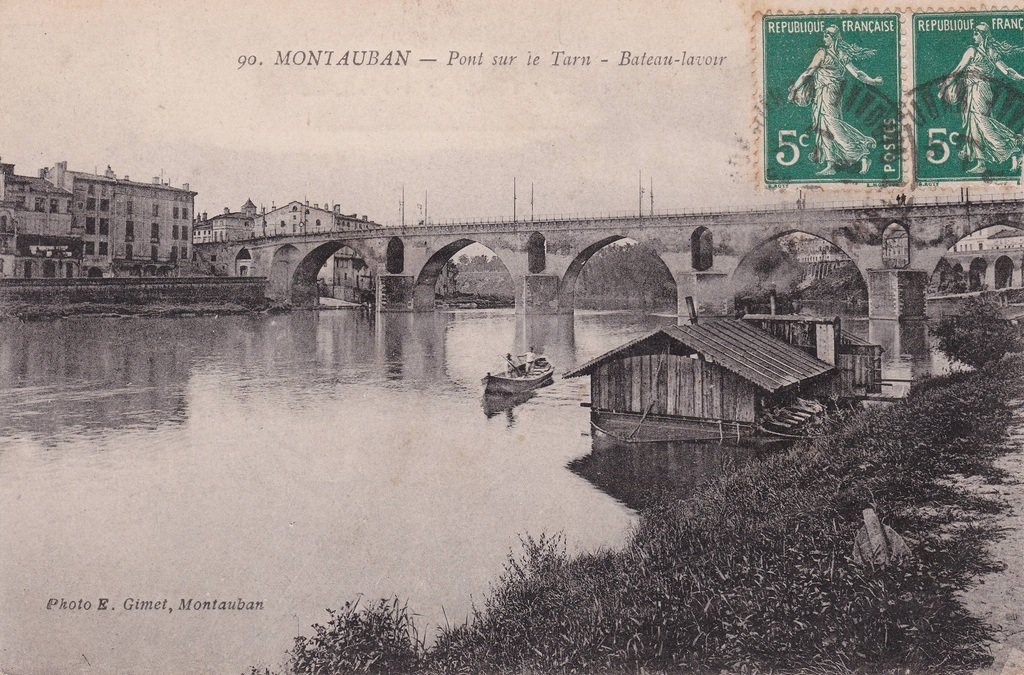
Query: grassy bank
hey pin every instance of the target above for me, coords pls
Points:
(753, 574)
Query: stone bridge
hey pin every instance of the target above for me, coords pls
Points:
(982, 270)
(895, 247)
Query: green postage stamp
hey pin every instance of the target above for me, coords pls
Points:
(968, 95)
(832, 98)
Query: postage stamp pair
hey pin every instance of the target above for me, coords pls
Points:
(836, 108)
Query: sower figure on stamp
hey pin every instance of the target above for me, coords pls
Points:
(986, 139)
(821, 86)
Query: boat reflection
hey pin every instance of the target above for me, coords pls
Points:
(495, 403)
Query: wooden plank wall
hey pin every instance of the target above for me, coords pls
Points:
(676, 385)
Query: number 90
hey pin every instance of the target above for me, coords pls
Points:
(244, 60)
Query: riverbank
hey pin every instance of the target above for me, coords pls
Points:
(32, 312)
(755, 572)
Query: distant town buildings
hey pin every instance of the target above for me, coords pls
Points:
(293, 218)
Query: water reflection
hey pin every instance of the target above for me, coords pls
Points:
(641, 474)
(305, 459)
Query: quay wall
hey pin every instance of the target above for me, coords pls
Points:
(247, 291)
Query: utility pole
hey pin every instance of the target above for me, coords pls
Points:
(513, 199)
(531, 201)
(640, 186)
(652, 195)
(401, 205)
(425, 216)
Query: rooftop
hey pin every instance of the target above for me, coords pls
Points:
(735, 345)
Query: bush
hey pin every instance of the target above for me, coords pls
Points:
(380, 638)
(978, 335)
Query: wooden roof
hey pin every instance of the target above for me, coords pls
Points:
(735, 345)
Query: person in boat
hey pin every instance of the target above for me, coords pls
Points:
(512, 369)
(528, 358)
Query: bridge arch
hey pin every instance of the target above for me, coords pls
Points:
(243, 263)
(536, 253)
(1004, 271)
(306, 271)
(430, 273)
(395, 259)
(568, 284)
(702, 249)
(790, 261)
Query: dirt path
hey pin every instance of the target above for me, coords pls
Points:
(999, 597)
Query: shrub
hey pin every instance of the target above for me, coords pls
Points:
(978, 335)
(379, 638)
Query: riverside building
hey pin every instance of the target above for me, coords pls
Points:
(127, 228)
(36, 237)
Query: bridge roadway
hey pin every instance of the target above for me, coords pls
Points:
(895, 247)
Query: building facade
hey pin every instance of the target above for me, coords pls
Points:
(36, 237)
(127, 228)
(227, 226)
(301, 218)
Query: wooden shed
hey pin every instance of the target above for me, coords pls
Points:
(858, 361)
(706, 380)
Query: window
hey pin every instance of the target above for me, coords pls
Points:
(156, 209)
(184, 231)
(128, 207)
(184, 252)
(104, 205)
(128, 252)
(90, 203)
(69, 206)
(90, 248)
(174, 232)
(184, 213)
(92, 189)
(104, 226)
(175, 212)
(152, 252)
(90, 225)
(20, 201)
(129, 230)
(39, 204)
(174, 253)
(54, 206)
(154, 231)
(103, 248)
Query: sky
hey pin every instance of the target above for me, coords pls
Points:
(155, 88)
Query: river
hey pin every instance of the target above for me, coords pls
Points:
(300, 461)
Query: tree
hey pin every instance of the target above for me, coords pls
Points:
(978, 335)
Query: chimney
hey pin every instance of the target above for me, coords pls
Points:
(337, 208)
(126, 178)
(771, 300)
(226, 210)
(156, 180)
(204, 215)
(691, 310)
(109, 173)
(185, 187)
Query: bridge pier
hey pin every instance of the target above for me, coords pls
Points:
(711, 291)
(538, 294)
(397, 293)
(896, 294)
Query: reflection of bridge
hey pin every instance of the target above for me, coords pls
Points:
(895, 248)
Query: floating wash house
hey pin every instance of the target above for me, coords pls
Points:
(714, 379)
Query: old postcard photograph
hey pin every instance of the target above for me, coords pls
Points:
(422, 336)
